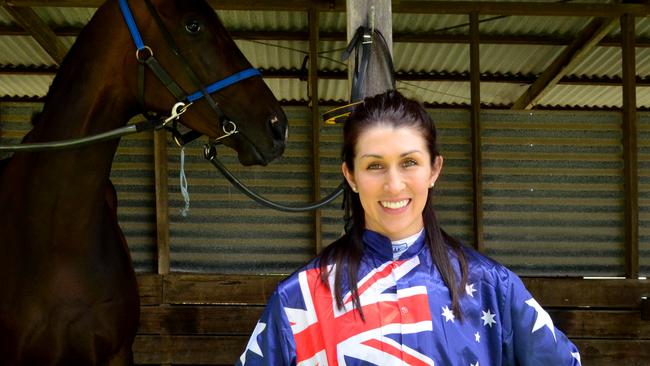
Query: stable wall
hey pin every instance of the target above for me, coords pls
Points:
(553, 196)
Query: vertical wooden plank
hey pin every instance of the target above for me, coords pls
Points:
(630, 152)
(475, 91)
(375, 13)
(315, 121)
(162, 204)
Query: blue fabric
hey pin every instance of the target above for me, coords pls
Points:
(130, 22)
(408, 318)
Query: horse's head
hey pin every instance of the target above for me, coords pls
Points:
(206, 54)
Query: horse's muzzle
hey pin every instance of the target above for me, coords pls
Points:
(278, 126)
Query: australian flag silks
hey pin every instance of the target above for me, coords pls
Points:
(408, 318)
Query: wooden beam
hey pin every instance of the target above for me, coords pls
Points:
(241, 319)
(572, 55)
(376, 14)
(221, 289)
(162, 201)
(226, 350)
(520, 8)
(29, 20)
(315, 123)
(475, 120)
(630, 152)
(342, 75)
(406, 37)
(64, 31)
(593, 9)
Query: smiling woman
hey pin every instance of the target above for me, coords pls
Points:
(395, 288)
(393, 174)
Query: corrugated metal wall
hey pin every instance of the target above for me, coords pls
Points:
(553, 194)
(227, 232)
(644, 193)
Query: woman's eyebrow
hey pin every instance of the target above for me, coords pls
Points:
(377, 156)
(410, 152)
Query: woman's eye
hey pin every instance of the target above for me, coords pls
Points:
(409, 163)
(374, 166)
(193, 26)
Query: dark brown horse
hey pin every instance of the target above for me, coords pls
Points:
(68, 293)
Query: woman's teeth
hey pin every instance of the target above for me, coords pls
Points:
(394, 204)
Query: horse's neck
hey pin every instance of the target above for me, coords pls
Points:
(81, 103)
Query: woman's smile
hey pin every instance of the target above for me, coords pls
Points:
(394, 205)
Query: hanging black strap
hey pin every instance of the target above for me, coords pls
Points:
(369, 47)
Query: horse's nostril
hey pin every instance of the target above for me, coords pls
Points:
(277, 129)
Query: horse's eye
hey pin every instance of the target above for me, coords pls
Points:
(193, 26)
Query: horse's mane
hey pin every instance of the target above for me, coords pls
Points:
(3, 164)
(36, 117)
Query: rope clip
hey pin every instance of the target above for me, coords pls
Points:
(177, 110)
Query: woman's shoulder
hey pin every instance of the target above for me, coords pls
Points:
(487, 270)
(308, 277)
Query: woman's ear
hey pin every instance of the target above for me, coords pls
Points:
(436, 168)
(348, 175)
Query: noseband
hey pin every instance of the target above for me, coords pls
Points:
(145, 56)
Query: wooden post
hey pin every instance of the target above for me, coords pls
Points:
(630, 152)
(315, 121)
(375, 13)
(162, 202)
(477, 157)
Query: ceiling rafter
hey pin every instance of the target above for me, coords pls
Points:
(594, 9)
(572, 55)
(36, 27)
(403, 76)
(507, 39)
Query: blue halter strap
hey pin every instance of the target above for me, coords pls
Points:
(209, 89)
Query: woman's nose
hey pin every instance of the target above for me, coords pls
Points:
(394, 183)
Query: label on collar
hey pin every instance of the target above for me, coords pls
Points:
(398, 249)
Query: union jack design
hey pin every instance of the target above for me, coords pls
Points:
(408, 320)
(326, 335)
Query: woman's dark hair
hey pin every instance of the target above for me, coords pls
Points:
(388, 109)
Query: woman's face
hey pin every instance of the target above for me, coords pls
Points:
(392, 173)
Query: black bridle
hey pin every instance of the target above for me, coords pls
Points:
(145, 56)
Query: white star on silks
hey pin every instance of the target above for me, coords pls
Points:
(488, 318)
(477, 336)
(448, 314)
(469, 289)
(474, 364)
(252, 345)
(576, 355)
(543, 319)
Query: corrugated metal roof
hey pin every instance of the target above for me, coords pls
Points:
(65, 17)
(23, 50)
(264, 20)
(438, 58)
(27, 85)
